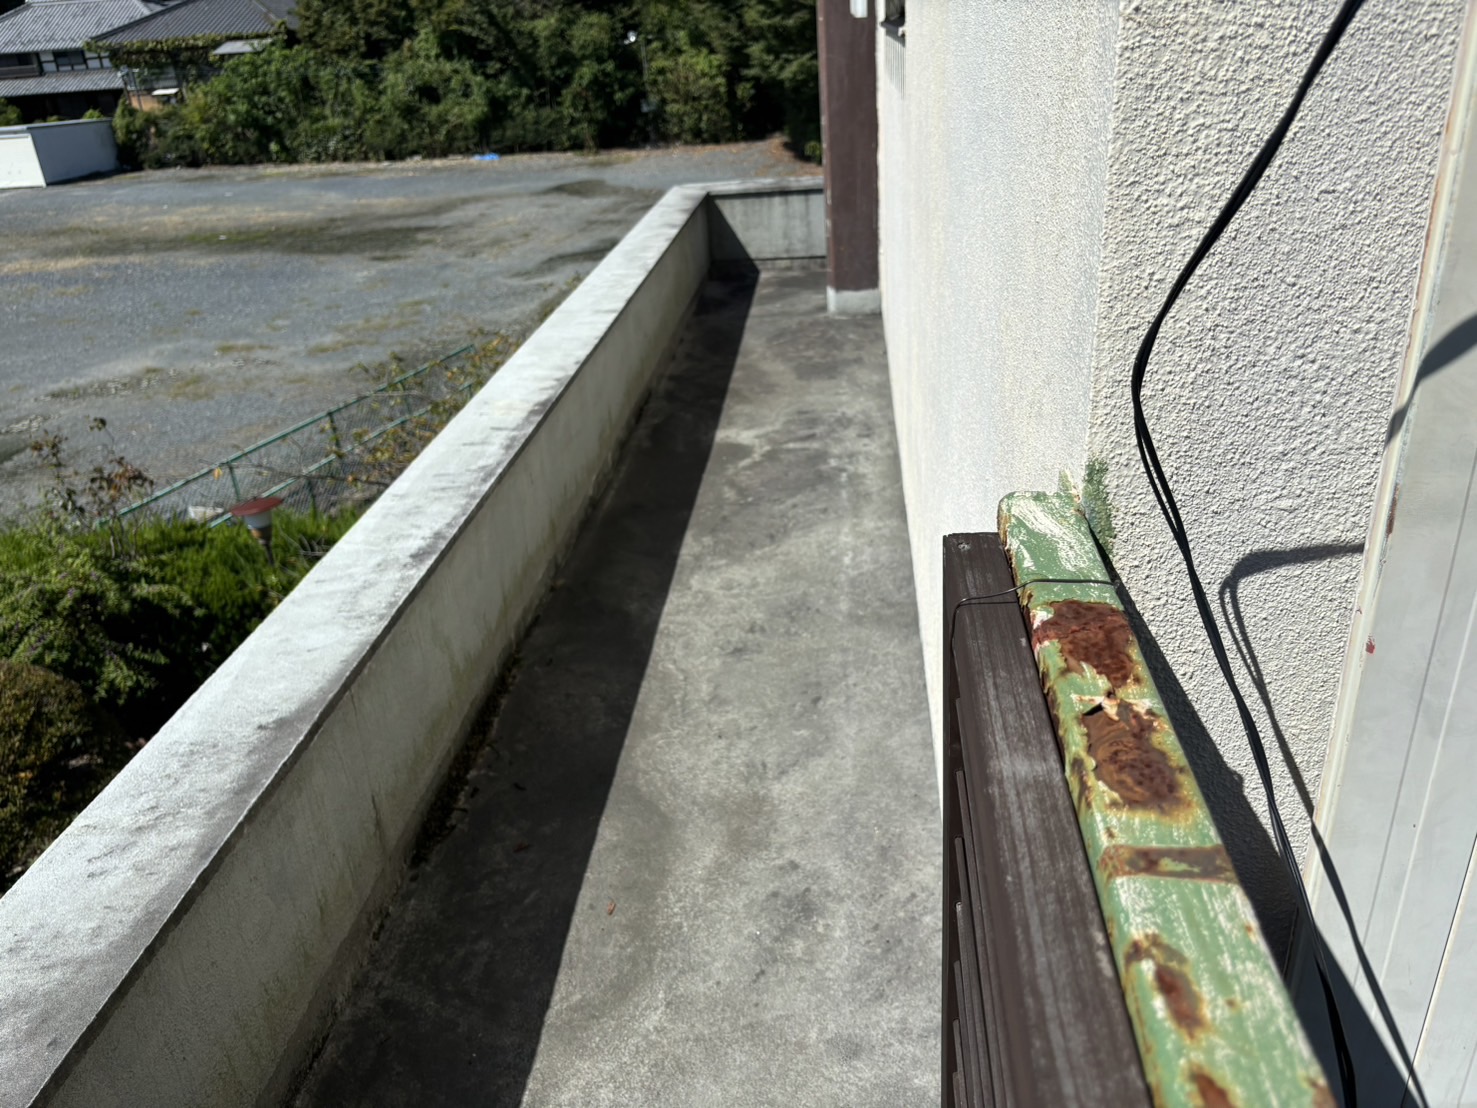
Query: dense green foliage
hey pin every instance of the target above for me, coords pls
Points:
(10, 115)
(287, 104)
(56, 753)
(110, 620)
(68, 605)
(105, 633)
(399, 78)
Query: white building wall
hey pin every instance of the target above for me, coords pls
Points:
(1045, 170)
(993, 146)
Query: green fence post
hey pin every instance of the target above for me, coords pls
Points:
(1213, 1020)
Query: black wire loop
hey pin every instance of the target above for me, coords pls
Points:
(1013, 593)
(1169, 508)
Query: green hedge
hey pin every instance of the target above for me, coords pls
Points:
(288, 104)
(105, 633)
(386, 80)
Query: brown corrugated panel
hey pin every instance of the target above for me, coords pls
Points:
(1033, 1011)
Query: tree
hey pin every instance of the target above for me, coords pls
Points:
(357, 29)
(782, 63)
(396, 78)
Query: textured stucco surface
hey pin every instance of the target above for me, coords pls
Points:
(993, 153)
(1272, 385)
(1271, 389)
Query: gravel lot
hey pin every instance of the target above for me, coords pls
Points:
(198, 311)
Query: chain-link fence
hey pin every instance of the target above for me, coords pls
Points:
(344, 455)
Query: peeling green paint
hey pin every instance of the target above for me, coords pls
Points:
(1096, 505)
(1213, 1021)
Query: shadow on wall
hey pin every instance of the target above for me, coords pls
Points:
(1264, 561)
(1382, 1077)
(453, 1005)
(1445, 350)
(1383, 1081)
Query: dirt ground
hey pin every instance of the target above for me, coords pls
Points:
(199, 311)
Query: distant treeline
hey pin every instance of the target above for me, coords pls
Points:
(390, 79)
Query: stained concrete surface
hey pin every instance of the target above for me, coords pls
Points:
(200, 311)
(696, 862)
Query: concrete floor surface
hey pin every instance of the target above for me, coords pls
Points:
(697, 861)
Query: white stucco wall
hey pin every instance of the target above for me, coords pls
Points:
(993, 145)
(1044, 175)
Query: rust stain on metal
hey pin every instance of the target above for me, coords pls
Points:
(1120, 739)
(1212, 1095)
(1193, 863)
(1171, 981)
(1322, 1096)
(1369, 646)
(1093, 634)
(1191, 959)
(1390, 519)
(1178, 991)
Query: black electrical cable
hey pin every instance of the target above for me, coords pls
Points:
(1159, 482)
(994, 597)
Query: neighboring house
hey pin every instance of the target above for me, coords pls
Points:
(187, 42)
(45, 67)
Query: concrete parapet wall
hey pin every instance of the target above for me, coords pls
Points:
(184, 942)
(786, 220)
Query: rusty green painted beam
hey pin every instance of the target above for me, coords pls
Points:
(1214, 1024)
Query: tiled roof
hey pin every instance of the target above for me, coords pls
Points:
(80, 80)
(64, 24)
(207, 18)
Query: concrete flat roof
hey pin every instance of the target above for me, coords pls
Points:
(696, 862)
